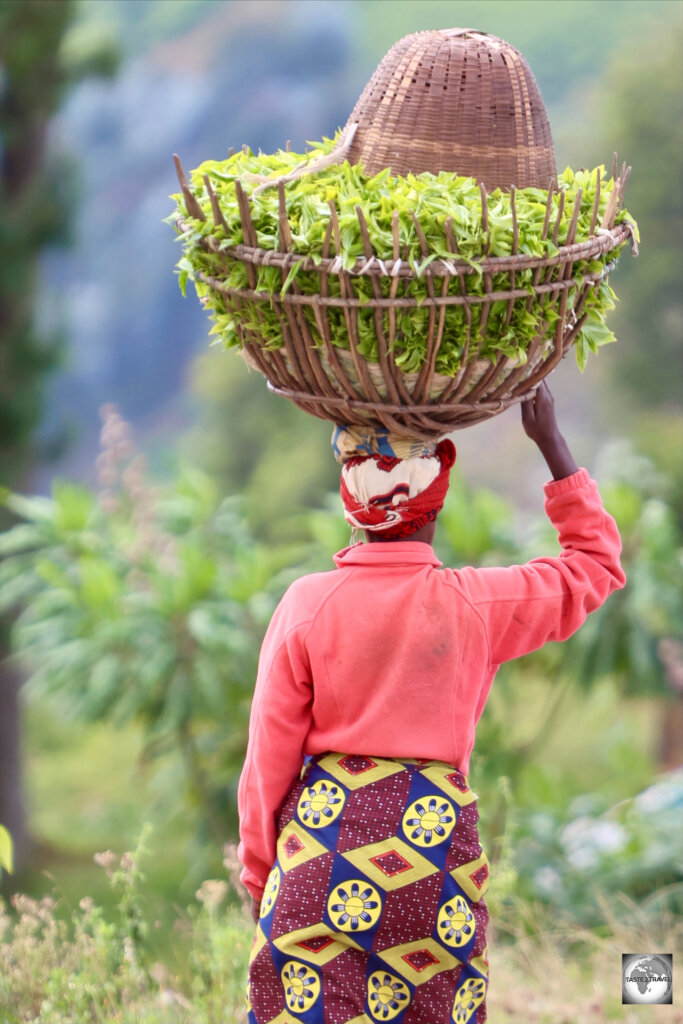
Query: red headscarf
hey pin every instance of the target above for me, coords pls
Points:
(393, 513)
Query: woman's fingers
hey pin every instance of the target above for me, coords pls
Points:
(545, 408)
(544, 396)
(538, 411)
(529, 413)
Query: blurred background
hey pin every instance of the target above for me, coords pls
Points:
(158, 500)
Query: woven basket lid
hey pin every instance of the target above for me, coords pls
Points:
(455, 100)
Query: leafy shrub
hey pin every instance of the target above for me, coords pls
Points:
(149, 603)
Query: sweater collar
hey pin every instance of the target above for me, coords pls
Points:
(388, 553)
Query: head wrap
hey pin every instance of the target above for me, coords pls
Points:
(392, 496)
(348, 442)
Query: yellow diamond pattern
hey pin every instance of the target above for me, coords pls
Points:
(310, 846)
(437, 773)
(479, 963)
(394, 957)
(462, 877)
(362, 858)
(284, 1018)
(383, 769)
(287, 944)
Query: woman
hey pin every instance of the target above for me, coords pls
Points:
(364, 866)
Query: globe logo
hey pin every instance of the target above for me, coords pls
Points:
(647, 978)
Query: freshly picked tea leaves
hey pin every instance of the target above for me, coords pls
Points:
(444, 205)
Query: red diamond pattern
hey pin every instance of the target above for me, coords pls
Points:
(390, 863)
(316, 943)
(356, 764)
(480, 875)
(420, 959)
(293, 845)
(456, 779)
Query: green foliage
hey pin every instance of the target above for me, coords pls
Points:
(428, 200)
(146, 605)
(139, 26)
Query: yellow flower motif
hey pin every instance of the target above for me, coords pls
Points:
(301, 984)
(270, 892)
(387, 995)
(354, 906)
(430, 821)
(468, 999)
(320, 804)
(456, 923)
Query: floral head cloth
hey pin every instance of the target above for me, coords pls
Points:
(390, 495)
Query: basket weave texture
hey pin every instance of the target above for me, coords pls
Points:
(455, 100)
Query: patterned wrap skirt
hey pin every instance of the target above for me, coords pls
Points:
(374, 908)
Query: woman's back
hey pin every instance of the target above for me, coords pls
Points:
(397, 655)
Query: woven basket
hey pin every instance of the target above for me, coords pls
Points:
(456, 100)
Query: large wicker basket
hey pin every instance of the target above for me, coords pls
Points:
(456, 100)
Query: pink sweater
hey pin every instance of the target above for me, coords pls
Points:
(393, 656)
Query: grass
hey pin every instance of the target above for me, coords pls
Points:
(551, 971)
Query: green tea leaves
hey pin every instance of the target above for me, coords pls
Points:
(419, 218)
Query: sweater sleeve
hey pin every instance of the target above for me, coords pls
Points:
(280, 719)
(524, 606)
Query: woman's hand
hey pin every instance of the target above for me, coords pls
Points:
(538, 415)
(538, 420)
(255, 909)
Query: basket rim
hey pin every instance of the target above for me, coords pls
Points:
(428, 407)
(602, 241)
(404, 301)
